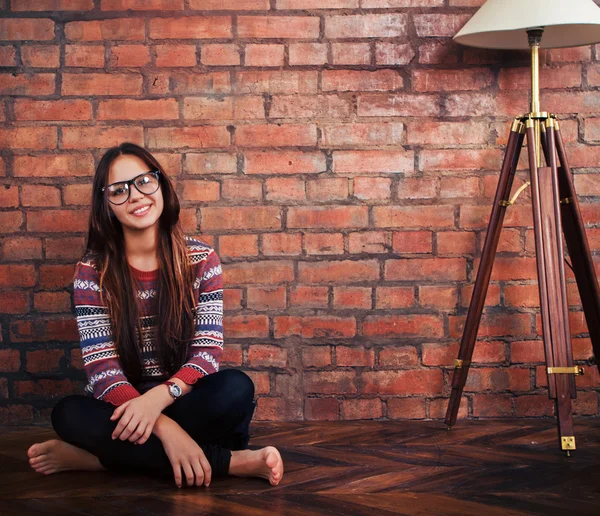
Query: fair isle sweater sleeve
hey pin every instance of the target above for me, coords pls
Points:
(106, 379)
(205, 349)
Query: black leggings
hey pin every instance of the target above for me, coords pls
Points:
(216, 414)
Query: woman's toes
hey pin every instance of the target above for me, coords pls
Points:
(37, 460)
(33, 451)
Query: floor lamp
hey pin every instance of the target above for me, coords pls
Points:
(535, 24)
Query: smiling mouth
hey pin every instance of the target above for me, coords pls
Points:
(141, 211)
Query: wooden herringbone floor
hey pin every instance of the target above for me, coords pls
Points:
(364, 468)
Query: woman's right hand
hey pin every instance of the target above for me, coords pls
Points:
(184, 453)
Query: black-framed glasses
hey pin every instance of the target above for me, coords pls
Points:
(146, 183)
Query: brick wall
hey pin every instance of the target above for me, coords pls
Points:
(342, 160)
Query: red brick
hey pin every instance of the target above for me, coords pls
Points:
(52, 5)
(210, 163)
(285, 189)
(41, 56)
(377, 161)
(36, 138)
(443, 298)
(456, 242)
(372, 188)
(22, 248)
(242, 189)
(232, 298)
(362, 409)
(129, 56)
(8, 56)
(361, 134)
(175, 55)
(281, 244)
(477, 217)
(527, 351)
(247, 218)
(330, 382)
(492, 297)
(9, 196)
(343, 271)
(101, 84)
(417, 188)
(412, 241)
(498, 379)
(16, 414)
(14, 302)
(70, 109)
(372, 242)
(306, 27)
(534, 406)
(44, 360)
(328, 217)
(85, 56)
(398, 357)
(313, 106)
(129, 109)
(328, 189)
(361, 80)
(228, 108)
(366, 26)
(246, 326)
(261, 380)
(266, 272)
(351, 298)
(324, 243)
(264, 55)
(46, 388)
(315, 4)
(406, 408)
(52, 301)
(403, 104)
(438, 51)
(308, 53)
(309, 297)
(122, 5)
(413, 216)
(276, 135)
(269, 356)
(69, 248)
(100, 137)
(426, 269)
(10, 221)
(438, 407)
(586, 404)
(460, 159)
(448, 80)
(17, 276)
(266, 298)
(394, 297)
(414, 381)
(316, 356)
(26, 29)
(440, 25)
(219, 55)
(276, 82)
(56, 276)
(392, 326)
(193, 137)
(269, 409)
(10, 360)
(190, 27)
(568, 76)
(349, 53)
(321, 409)
(202, 191)
(346, 356)
(495, 325)
(284, 162)
(492, 405)
(77, 194)
(57, 221)
(310, 327)
(232, 355)
(394, 53)
(29, 84)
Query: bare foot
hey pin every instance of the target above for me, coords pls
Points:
(264, 463)
(54, 456)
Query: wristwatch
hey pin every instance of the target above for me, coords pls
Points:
(174, 390)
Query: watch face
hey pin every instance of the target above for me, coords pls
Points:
(175, 390)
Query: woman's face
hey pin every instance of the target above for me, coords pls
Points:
(140, 211)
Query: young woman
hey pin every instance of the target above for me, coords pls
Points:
(149, 306)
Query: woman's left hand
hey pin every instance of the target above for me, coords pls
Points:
(136, 418)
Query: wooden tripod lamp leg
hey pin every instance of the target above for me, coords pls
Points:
(579, 249)
(467, 345)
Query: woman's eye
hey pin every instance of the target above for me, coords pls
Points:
(118, 191)
(143, 180)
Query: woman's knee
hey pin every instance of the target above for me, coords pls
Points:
(77, 417)
(239, 385)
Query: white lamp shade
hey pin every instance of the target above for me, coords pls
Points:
(503, 24)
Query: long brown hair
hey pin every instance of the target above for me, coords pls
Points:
(106, 246)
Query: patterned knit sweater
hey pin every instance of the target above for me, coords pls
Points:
(106, 379)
